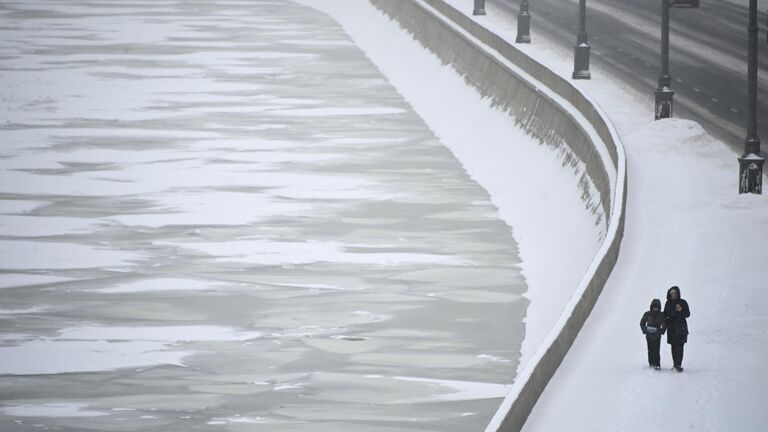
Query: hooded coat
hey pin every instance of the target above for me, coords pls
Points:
(677, 325)
(654, 322)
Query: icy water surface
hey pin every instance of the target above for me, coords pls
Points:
(219, 216)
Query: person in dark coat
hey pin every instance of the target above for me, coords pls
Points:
(654, 324)
(676, 310)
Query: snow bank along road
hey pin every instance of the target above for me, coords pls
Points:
(220, 216)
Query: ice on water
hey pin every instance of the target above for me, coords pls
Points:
(221, 217)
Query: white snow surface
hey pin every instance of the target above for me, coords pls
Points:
(686, 225)
(266, 252)
(459, 390)
(47, 356)
(159, 284)
(29, 255)
(549, 221)
(16, 280)
(104, 348)
(157, 333)
(63, 409)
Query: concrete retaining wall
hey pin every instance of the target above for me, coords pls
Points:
(549, 107)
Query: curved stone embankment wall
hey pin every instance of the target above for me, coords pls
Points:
(550, 108)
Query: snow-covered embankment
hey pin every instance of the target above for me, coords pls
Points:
(550, 160)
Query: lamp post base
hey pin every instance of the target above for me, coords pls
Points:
(523, 28)
(479, 7)
(664, 102)
(751, 174)
(581, 61)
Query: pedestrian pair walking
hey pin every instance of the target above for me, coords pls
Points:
(670, 320)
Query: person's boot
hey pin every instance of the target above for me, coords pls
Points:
(657, 367)
(679, 368)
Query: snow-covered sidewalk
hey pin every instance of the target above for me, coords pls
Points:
(686, 226)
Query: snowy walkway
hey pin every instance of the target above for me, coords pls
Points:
(220, 216)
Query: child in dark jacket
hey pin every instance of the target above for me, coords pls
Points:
(654, 324)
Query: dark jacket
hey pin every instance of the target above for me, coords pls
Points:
(654, 322)
(677, 326)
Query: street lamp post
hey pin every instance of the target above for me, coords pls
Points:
(581, 51)
(664, 92)
(523, 24)
(479, 7)
(751, 163)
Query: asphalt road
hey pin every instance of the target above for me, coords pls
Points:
(707, 54)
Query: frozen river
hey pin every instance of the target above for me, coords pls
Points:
(219, 216)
